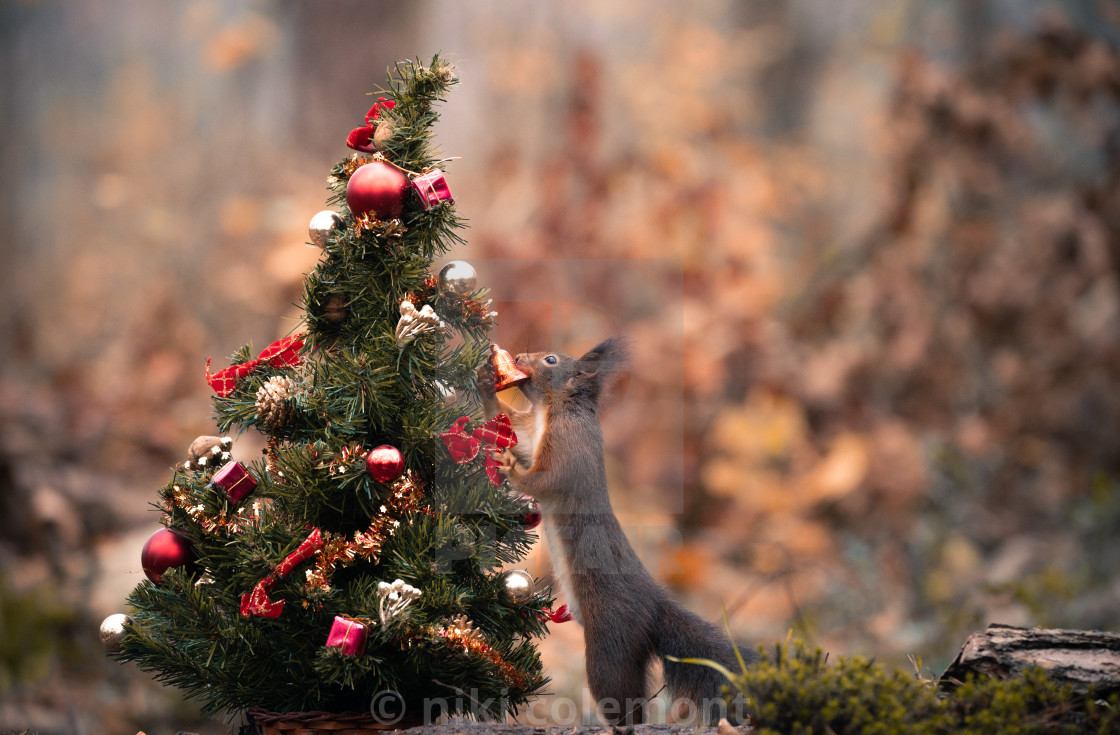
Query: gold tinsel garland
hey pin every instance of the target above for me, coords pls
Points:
(337, 551)
(220, 523)
(383, 229)
(355, 162)
(474, 642)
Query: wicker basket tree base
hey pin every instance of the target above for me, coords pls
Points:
(323, 723)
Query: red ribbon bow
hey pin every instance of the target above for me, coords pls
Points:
(497, 433)
(281, 353)
(559, 615)
(361, 139)
(257, 602)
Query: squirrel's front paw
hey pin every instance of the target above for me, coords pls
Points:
(484, 379)
(507, 463)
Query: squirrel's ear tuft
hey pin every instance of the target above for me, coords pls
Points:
(605, 372)
(610, 354)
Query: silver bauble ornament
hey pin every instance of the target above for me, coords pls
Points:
(447, 393)
(113, 629)
(519, 586)
(458, 277)
(321, 226)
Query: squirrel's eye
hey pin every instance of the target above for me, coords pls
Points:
(551, 359)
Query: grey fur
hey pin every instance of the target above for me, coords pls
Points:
(627, 617)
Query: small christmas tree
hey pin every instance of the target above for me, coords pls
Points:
(362, 556)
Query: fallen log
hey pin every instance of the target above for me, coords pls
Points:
(1083, 658)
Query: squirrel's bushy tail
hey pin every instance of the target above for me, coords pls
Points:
(681, 634)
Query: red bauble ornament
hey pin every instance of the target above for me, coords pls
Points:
(163, 550)
(385, 463)
(532, 516)
(377, 189)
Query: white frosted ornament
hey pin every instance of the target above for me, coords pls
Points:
(415, 322)
(392, 599)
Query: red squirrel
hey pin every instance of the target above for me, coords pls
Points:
(627, 617)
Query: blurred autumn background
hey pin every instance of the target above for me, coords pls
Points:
(867, 254)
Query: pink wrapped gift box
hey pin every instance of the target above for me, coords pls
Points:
(432, 189)
(235, 480)
(348, 635)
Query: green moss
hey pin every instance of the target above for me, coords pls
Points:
(36, 630)
(795, 689)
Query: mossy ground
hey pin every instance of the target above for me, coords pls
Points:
(794, 689)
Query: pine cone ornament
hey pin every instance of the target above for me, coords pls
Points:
(274, 408)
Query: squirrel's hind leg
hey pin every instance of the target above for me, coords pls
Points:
(617, 675)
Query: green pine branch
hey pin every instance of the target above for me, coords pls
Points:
(357, 387)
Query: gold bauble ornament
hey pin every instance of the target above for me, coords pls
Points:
(458, 277)
(335, 311)
(321, 226)
(113, 629)
(519, 586)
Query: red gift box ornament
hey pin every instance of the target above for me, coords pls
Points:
(432, 189)
(235, 480)
(348, 635)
